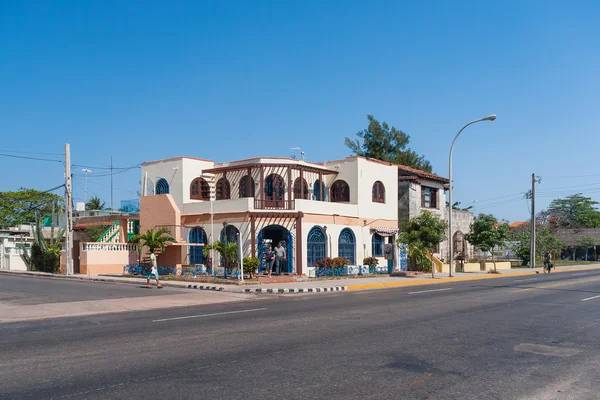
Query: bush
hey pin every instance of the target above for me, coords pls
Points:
(328, 262)
(251, 265)
(371, 261)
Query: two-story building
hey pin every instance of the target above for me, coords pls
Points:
(346, 208)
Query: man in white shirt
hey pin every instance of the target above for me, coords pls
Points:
(280, 257)
(153, 272)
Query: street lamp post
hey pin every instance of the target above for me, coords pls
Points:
(86, 171)
(450, 238)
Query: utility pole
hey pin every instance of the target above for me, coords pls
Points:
(532, 250)
(68, 211)
(112, 206)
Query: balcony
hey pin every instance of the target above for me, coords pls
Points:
(266, 204)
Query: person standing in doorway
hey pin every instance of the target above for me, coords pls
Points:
(280, 258)
(269, 260)
(153, 272)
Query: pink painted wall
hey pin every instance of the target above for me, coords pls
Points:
(159, 210)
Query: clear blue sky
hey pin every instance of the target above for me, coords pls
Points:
(143, 80)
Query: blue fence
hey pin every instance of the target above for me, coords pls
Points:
(351, 270)
(188, 273)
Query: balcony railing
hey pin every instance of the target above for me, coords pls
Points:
(266, 204)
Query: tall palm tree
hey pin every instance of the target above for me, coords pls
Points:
(152, 239)
(95, 204)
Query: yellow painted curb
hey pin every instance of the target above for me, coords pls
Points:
(460, 279)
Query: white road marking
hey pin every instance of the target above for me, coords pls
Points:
(581, 273)
(529, 280)
(590, 298)
(209, 315)
(520, 280)
(432, 290)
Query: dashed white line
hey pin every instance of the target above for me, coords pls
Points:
(432, 290)
(590, 298)
(209, 315)
(581, 273)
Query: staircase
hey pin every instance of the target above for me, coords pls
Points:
(112, 234)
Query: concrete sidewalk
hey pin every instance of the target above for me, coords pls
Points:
(315, 286)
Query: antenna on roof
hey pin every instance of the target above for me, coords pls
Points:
(295, 156)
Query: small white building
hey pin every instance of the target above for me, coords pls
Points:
(13, 242)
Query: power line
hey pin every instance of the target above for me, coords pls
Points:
(115, 173)
(31, 152)
(30, 158)
(106, 168)
(570, 177)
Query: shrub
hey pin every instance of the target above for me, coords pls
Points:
(371, 261)
(340, 262)
(251, 265)
(325, 263)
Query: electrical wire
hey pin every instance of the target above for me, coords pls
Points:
(30, 158)
(31, 152)
(105, 168)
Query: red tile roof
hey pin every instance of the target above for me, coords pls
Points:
(422, 174)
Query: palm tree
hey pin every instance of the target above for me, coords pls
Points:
(95, 204)
(152, 239)
(228, 252)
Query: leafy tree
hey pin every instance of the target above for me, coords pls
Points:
(228, 252)
(575, 211)
(422, 234)
(20, 207)
(95, 204)
(456, 206)
(544, 241)
(152, 239)
(486, 234)
(387, 144)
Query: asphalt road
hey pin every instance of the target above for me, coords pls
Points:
(534, 337)
(32, 290)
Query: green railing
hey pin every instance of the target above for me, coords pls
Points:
(109, 234)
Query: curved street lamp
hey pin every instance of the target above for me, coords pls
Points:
(450, 237)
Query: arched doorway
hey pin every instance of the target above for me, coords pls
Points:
(271, 235)
(316, 246)
(197, 235)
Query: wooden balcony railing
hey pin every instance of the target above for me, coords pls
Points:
(266, 204)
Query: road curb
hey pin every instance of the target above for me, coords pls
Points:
(382, 285)
(297, 290)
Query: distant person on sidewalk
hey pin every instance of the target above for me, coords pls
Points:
(269, 260)
(547, 262)
(153, 272)
(280, 258)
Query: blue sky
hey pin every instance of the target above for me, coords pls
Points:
(143, 80)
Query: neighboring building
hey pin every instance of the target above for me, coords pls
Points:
(13, 242)
(419, 190)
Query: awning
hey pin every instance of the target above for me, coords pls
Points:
(385, 231)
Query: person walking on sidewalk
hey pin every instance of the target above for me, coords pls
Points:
(153, 272)
(547, 262)
(280, 258)
(269, 260)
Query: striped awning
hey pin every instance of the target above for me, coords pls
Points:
(385, 231)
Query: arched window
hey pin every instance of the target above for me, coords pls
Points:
(197, 235)
(199, 189)
(274, 187)
(377, 245)
(223, 189)
(298, 189)
(246, 186)
(340, 191)
(378, 192)
(162, 186)
(317, 193)
(229, 234)
(316, 245)
(347, 246)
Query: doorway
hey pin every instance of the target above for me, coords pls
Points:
(272, 235)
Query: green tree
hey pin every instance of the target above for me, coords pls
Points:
(228, 252)
(45, 252)
(152, 239)
(575, 211)
(95, 204)
(422, 235)
(95, 232)
(20, 207)
(544, 241)
(381, 142)
(487, 234)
